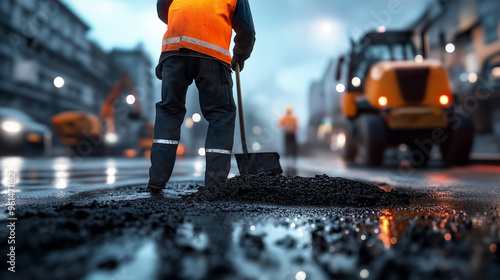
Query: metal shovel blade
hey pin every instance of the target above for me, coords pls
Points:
(254, 163)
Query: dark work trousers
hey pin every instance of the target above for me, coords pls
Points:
(215, 86)
(291, 148)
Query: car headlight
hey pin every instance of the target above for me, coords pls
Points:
(11, 126)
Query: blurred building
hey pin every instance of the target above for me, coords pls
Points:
(42, 40)
(465, 36)
(322, 105)
(138, 66)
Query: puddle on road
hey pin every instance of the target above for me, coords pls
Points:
(144, 265)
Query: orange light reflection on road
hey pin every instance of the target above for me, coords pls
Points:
(384, 225)
(394, 222)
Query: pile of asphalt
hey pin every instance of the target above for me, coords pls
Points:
(320, 190)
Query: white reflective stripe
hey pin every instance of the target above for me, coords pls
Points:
(219, 151)
(176, 40)
(165, 141)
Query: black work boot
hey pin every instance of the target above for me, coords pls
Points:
(155, 187)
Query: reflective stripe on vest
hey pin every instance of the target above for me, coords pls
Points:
(200, 25)
(177, 40)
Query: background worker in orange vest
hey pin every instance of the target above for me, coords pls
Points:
(195, 48)
(288, 123)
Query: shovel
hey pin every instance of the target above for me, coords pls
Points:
(253, 163)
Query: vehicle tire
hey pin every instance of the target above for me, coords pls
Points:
(456, 148)
(98, 149)
(371, 134)
(34, 149)
(89, 147)
(348, 152)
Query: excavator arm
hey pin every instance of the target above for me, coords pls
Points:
(108, 111)
(130, 87)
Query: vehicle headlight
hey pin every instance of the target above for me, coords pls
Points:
(495, 72)
(11, 126)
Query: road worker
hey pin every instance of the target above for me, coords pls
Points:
(195, 47)
(288, 123)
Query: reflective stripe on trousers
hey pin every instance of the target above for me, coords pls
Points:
(219, 151)
(165, 141)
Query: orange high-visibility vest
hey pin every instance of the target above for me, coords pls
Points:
(288, 123)
(200, 25)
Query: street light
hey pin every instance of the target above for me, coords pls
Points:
(189, 123)
(130, 99)
(256, 146)
(257, 130)
(58, 82)
(450, 48)
(419, 58)
(111, 137)
(340, 88)
(196, 117)
(356, 81)
(495, 72)
(326, 28)
(472, 77)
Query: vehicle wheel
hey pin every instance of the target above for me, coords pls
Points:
(98, 149)
(348, 152)
(89, 147)
(456, 148)
(34, 149)
(371, 135)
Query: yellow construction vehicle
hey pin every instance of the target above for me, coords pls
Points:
(81, 131)
(388, 95)
(87, 133)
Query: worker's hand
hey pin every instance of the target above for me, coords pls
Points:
(235, 61)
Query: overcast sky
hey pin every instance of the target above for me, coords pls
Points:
(295, 39)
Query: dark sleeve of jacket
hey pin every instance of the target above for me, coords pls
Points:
(245, 31)
(162, 7)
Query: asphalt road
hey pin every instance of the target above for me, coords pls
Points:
(93, 219)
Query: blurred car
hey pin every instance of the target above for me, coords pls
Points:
(21, 135)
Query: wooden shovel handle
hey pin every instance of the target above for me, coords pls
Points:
(240, 111)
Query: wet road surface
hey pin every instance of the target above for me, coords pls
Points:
(42, 176)
(449, 230)
(79, 174)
